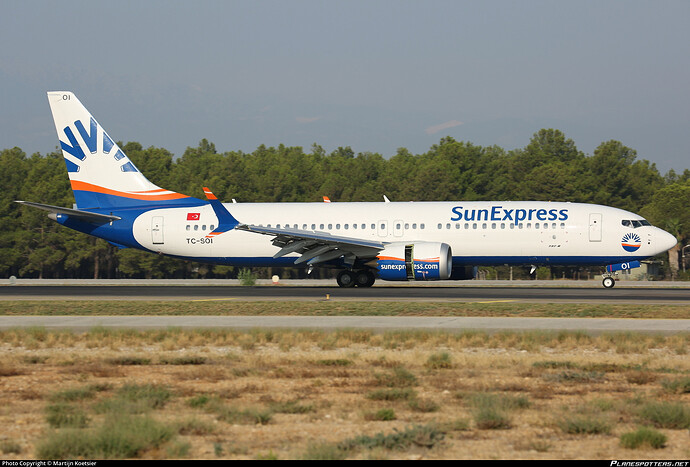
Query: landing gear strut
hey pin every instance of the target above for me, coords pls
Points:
(363, 278)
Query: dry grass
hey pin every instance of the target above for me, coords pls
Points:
(351, 394)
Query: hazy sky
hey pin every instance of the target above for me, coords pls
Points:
(373, 75)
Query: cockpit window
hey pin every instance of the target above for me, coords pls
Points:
(634, 223)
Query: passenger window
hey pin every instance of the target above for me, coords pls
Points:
(364, 226)
(188, 227)
(484, 225)
(520, 225)
(304, 226)
(373, 226)
(439, 226)
(407, 226)
(277, 226)
(347, 226)
(467, 226)
(321, 226)
(553, 226)
(196, 226)
(503, 225)
(414, 226)
(457, 225)
(330, 226)
(536, 226)
(203, 227)
(512, 226)
(474, 226)
(493, 226)
(529, 225)
(398, 226)
(211, 227)
(313, 227)
(354, 226)
(421, 226)
(562, 225)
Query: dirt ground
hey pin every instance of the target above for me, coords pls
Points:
(320, 391)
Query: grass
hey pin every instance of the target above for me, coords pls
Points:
(282, 394)
(359, 308)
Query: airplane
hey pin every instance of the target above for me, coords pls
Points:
(365, 241)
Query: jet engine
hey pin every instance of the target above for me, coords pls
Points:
(419, 261)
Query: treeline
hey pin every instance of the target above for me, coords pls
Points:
(550, 167)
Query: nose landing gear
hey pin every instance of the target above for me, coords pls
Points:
(608, 282)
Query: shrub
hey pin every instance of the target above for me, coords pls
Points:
(426, 436)
(66, 415)
(383, 415)
(439, 361)
(324, 452)
(400, 378)
(392, 394)
(584, 424)
(677, 386)
(666, 415)
(491, 418)
(121, 436)
(423, 405)
(247, 277)
(643, 437)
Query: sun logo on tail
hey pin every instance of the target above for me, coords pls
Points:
(631, 242)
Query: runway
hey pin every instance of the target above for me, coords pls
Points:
(501, 293)
(592, 326)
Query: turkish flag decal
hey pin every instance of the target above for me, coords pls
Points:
(193, 216)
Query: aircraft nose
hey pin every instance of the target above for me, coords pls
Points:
(666, 240)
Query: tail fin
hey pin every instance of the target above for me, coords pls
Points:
(102, 176)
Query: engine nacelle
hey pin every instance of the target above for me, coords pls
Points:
(420, 261)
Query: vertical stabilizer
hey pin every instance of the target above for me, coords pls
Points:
(102, 176)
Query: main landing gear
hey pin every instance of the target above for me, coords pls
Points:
(363, 278)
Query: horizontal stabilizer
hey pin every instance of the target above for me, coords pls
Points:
(85, 216)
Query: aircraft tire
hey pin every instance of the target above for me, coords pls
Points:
(365, 278)
(346, 279)
(608, 282)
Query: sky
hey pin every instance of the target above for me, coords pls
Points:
(375, 75)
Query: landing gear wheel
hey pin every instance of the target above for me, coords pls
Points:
(365, 278)
(346, 279)
(608, 282)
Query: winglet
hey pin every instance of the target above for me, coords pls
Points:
(326, 199)
(226, 221)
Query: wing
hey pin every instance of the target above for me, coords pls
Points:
(316, 247)
(313, 246)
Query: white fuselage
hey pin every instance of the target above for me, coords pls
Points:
(478, 232)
